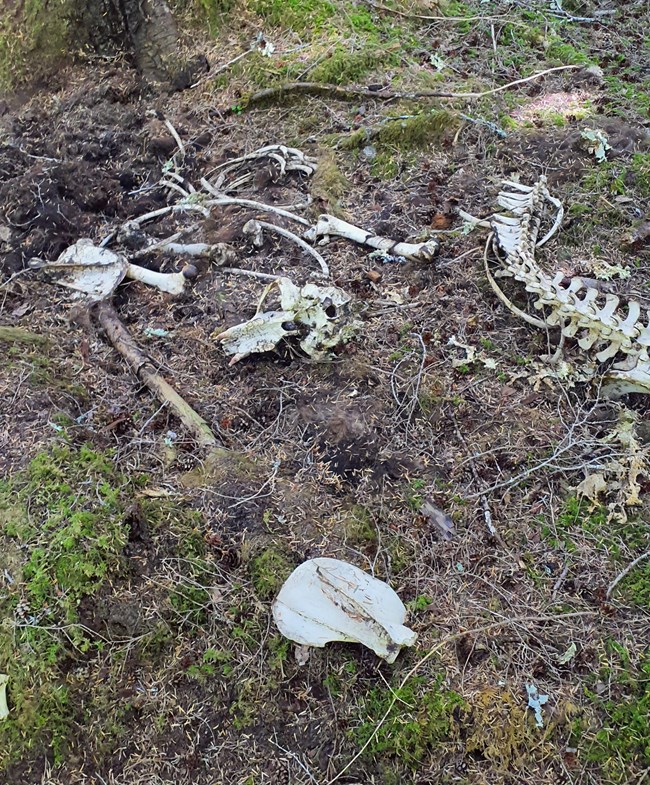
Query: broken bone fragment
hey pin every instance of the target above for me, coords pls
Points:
(326, 600)
(95, 271)
(4, 708)
(317, 313)
(328, 226)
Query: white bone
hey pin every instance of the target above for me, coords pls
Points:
(172, 283)
(96, 272)
(326, 600)
(577, 307)
(328, 225)
(303, 310)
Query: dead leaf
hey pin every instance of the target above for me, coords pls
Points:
(591, 487)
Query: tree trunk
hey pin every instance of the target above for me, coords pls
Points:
(145, 29)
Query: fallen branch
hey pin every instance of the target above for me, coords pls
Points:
(123, 341)
(351, 93)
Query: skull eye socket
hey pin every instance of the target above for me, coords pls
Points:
(330, 310)
(289, 327)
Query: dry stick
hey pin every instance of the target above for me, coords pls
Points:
(123, 341)
(347, 93)
(626, 571)
(14, 276)
(433, 650)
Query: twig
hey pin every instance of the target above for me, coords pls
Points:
(348, 93)
(487, 123)
(177, 138)
(433, 650)
(561, 578)
(559, 11)
(297, 760)
(222, 68)
(123, 341)
(14, 276)
(626, 571)
(299, 242)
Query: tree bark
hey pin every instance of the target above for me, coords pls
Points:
(145, 29)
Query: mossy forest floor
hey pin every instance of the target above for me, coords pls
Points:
(136, 581)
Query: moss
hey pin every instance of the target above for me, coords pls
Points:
(71, 541)
(608, 177)
(359, 527)
(303, 16)
(628, 94)
(213, 663)
(640, 171)
(400, 135)
(617, 740)
(343, 66)
(220, 467)
(269, 570)
(616, 539)
(214, 11)
(421, 716)
(500, 728)
(328, 184)
(565, 54)
(416, 132)
(33, 36)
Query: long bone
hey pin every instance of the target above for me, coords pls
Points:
(328, 226)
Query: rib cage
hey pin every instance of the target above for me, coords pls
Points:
(599, 321)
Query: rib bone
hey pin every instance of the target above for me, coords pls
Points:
(598, 320)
